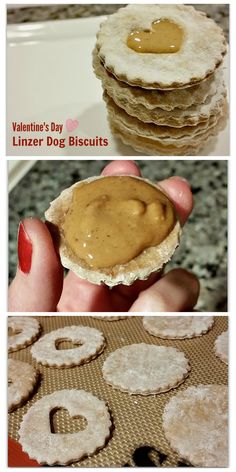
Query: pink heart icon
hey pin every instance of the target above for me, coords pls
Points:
(71, 125)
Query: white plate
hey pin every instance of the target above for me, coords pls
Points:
(17, 170)
(50, 79)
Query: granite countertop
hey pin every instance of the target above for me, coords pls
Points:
(203, 248)
(220, 13)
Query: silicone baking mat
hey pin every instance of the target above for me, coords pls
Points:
(137, 437)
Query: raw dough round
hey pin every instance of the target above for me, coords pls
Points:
(177, 327)
(90, 342)
(221, 346)
(22, 378)
(145, 369)
(195, 422)
(24, 332)
(46, 447)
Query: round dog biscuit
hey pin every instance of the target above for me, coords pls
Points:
(90, 342)
(177, 327)
(202, 49)
(167, 100)
(41, 444)
(221, 346)
(140, 266)
(164, 134)
(195, 422)
(151, 147)
(22, 378)
(192, 116)
(22, 331)
(145, 369)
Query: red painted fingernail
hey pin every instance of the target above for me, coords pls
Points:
(25, 250)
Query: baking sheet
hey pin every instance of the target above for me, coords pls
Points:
(52, 61)
(137, 436)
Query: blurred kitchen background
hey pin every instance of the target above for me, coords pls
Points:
(28, 13)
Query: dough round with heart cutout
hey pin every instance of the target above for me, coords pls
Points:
(145, 369)
(202, 49)
(131, 207)
(22, 331)
(221, 346)
(49, 448)
(195, 422)
(90, 341)
(22, 378)
(177, 327)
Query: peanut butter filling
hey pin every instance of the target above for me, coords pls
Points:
(112, 220)
(164, 37)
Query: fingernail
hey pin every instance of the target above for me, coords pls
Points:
(25, 250)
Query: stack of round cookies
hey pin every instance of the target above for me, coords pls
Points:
(160, 71)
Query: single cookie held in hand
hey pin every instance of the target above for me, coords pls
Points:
(114, 229)
(22, 331)
(22, 378)
(145, 369)
(177, 327)
(89, 343)
(195, 423)
(41, 444)
(221, 346)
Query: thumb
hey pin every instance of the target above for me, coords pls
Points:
(37, 285)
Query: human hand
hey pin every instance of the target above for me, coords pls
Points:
(39, 285)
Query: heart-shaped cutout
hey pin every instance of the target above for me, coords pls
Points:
(71, 125)
(66, 343)
(164, 37)
(83, 416)
(62, 423)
